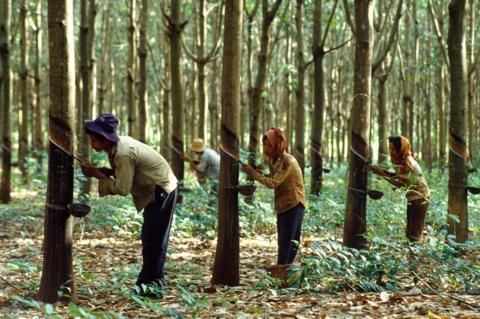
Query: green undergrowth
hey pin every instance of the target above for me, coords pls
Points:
(433, 265)
(390, 263)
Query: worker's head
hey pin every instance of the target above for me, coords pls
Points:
(197, 145)
(102, 131)
(273, 142)
(400, 149)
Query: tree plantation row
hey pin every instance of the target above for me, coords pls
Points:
(124, 61)
(339, 78)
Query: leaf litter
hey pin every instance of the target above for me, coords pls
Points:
(105, 267)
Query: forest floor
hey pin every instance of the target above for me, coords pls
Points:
(191, 261)
(106, 263)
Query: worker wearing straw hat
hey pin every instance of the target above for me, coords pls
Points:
(207, 161)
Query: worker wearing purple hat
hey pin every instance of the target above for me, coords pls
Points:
(141, 171)
(104, 125)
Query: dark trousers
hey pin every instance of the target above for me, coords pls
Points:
(157, 221)
(416, 212)
(289, 227)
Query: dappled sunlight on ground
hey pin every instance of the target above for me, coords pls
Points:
(107, 259)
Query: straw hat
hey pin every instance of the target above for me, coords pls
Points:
(197, 145)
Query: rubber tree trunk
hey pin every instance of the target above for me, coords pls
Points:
(406, 98)
(287, 90)
(382, 117)
(258, 88)
(112, 108)
(190, 109)
(457, 156)
(102, 87)
(472, 122)
(131, 101)
(57, 273)
(24, 91)
(411, 79)
(213, 107)
(355, 224)
(5, 17)
(439, 101)
(37, 119)
(92, 52)
(175, 29)
(250, 18)
(86, 78)
(411, 58)
(299, 152)
(202, 95)
(142, 88)
(226, 264)
(426, 133)
(166, 129)
(319, 102)
(162, 52)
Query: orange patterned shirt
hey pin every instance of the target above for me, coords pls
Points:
(287, 181)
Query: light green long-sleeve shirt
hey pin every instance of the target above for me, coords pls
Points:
(138, 169)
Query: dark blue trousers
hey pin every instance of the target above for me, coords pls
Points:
(157, 221)
(289, 227)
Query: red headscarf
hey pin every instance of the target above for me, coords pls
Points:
(276, 137)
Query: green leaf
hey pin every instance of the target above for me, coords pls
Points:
(49, 309)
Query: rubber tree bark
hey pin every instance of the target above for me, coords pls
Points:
(57, 273)
(131, 72)
(213, 107)
(318, 52)
(86, 79)
(457, 155)
(102, 87)
(142, 88)
(319, 102)
(439, 101)
(37, 114)
(175, 28)
(472, 121)
(24, 92)
(355, 224)
(250, 18)
(287, 90)
(226, 265)
(5, 17)
(257, 90)
(166, 129)
(299, 152)
(381, 66)
(382, 117)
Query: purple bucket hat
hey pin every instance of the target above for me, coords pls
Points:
(104, 125)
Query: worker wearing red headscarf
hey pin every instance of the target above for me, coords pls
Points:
(408, 175)
(287, 180)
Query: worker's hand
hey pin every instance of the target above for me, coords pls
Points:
(186, 159)
(92, 171)
(106, 171)
(377, 170)
(247, 169)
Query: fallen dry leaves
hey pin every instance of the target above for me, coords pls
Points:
(104, 258)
